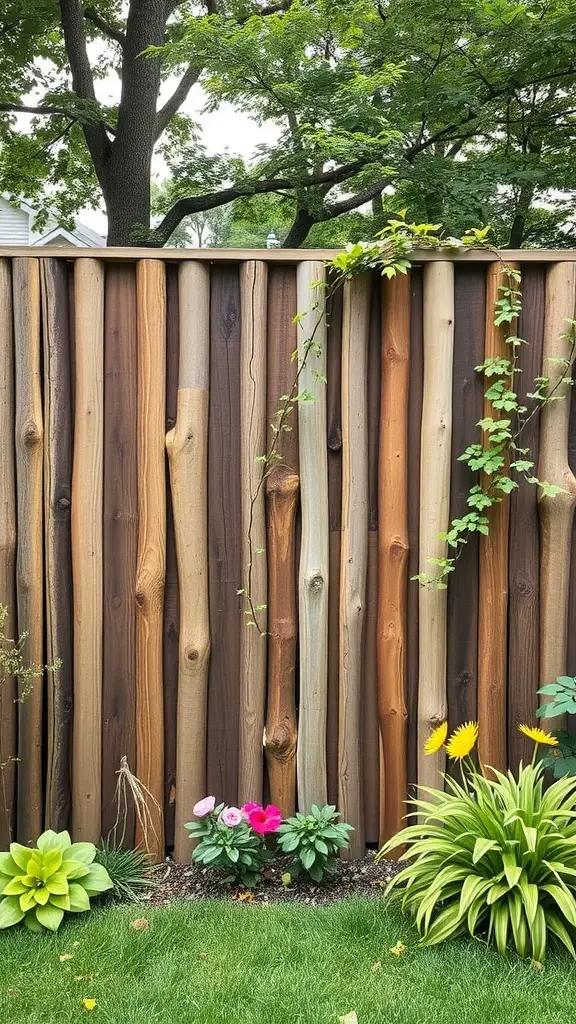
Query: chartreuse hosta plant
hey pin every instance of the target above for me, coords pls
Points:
(494, 855)
(39, 885)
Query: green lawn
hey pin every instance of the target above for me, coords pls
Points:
(225, 963)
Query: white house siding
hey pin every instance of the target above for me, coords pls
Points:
(14, 225)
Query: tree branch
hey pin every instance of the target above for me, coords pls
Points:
(175, 101)
(72, 16)
(49, 109)
(105, 27)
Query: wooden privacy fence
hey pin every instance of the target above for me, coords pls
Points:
(136, 394)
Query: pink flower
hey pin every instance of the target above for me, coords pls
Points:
(265, 819)
(204, 807)
(232, 816)
(248, 808)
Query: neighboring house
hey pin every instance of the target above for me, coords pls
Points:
(17, 228)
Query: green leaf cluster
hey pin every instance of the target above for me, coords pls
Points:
(238, 849)
(38, 886)
(493, 857)
(314, 841)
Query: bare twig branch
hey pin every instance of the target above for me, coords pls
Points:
(111, 31)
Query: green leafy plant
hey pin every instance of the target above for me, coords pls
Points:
(561, 761)
(493, 855)
(314, 841)
(127, 870)
(236, 847)
(38, 886)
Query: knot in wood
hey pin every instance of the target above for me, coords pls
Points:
(63, 503)
(316, 581)
(192, 654)
(30, 434)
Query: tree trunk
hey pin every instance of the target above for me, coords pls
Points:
(298, 233)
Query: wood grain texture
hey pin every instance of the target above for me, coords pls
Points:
(414, 446)
(253, 291)
(8, 690)
(282, 489)
(393, 547)
(354, 553)
(29, 554)
(334, 459)
(120, 541)
(224, 534)
(313, 574)
(87, 549)
(434, 505)
(493, 580)
(57, 538)
(171, 590)
(371, 730)
(556, 514)
(187, 447)
(524, 558)
(571, 653)
(151, 568)
(467, 404)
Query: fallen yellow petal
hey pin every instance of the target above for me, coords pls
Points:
(398, 949)
(89, 1004)
(65, 956)
(377, 965)
(141, 924)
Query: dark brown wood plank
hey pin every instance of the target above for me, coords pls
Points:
(224, 535)
(57, 538)
(524, 554)
(171, 592)
(8, 688)
(414, 430)
(334, 440)
(571, 651)
(371, 732)
(120, 540)
(467, 404)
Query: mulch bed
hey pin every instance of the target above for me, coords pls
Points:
(362, 878)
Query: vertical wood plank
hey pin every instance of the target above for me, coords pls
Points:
(371, 730)
(313, 574)
(187, 447)
(151, 568)
(524, 566)
(253, 290)
(120, 540)
(467, 403)
(556, 514)
(224, 534)
(493, 584)
(282, 487)
(571, 654)
(57, 537)
(434, 505)
(334, 459)
(29, 556)
(87, 551)
(414, 446)
(8, 691)
(393, 546)
(354, 553)
(171, 591)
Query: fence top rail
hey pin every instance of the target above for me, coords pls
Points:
(281, 255)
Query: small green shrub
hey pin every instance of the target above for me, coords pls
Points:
(493, 855)
(562, 693)
(314, 841)
(228, 840)
(127, 870)
(38, 886)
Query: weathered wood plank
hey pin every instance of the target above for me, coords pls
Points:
(171, 590)
(282, 488)
(224, 534)
(414, 446)
(556, 514)
(120, 540)
(393, 547)
(8, 690)
(187, 447)
(354, 552)
(57, 537)
(253, 291)
(313, 574)
(524, 564)
(334, 460)
(434, 505)
(87, 550)
(151, 568)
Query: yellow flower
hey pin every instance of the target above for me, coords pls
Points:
(89, 1004)
(462, 740)
(398, 949)
(436, 739)
(538, 735)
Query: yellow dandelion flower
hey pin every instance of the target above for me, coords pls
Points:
(462, 740)
(89, 1004)
(538, 735)
(436, 739)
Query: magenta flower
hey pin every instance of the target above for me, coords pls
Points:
(232, 816)
(248, 808)
(265, 819)
(204, 807)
